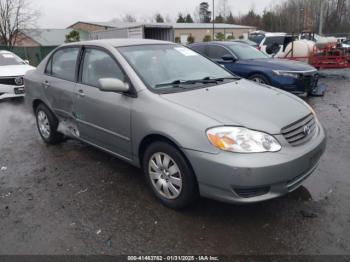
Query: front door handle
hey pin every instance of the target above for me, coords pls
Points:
(81, 93)
(46, 84)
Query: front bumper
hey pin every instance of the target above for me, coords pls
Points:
(306, 83)
(249, 178)
(9, 91)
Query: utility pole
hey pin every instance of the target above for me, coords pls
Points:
(320, 26)
(213, 21)
(224, 19)
(301, 19)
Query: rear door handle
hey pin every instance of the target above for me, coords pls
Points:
(81, 93)
(46, 84)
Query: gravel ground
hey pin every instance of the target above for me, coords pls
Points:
(74, 199)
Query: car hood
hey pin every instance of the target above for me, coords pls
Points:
(279, 64)
(244, 103)
(14, 70)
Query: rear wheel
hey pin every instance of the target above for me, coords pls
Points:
(47, 125)
(169, 175)
(260, 79)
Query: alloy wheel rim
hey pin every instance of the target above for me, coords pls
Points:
(44, 124)
(165, 175)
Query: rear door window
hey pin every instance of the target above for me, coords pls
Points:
(199, 48)
(64, 62)
(48, 69)
(217, 52)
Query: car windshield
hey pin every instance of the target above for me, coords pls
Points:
(256, 38)
(170, 66)
(7, 59)
(270, 40)
(246, 52)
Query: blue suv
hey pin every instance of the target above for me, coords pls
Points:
(248, 62)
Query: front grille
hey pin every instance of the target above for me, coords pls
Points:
(309, 81)
(12, 81)
(300, 131)
(251, 192)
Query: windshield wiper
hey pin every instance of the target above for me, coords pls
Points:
(221, 79)
(205, 80)
(179, 83)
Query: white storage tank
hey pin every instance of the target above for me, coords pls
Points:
(302, 50)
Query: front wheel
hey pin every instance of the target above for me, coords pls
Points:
(259, 79)
(47, 125)
(169, 175)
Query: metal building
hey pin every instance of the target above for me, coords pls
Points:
(161, 31)
(136, 30)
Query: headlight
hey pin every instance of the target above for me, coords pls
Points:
(285, 73)
(242, 140)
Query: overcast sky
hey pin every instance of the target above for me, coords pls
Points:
(62, 13)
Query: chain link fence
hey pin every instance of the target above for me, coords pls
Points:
(33, 54)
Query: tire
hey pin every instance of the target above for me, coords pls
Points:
(47, 125)
(261, 79)
(310, 93)
(172, 172)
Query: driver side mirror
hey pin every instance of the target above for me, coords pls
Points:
(26, 61)
(113, 85)
(229, 58)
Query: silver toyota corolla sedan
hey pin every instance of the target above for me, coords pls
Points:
(193, 127)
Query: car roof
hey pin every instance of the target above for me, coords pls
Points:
(269, 33)
(275, 34)
(243, 41)
(223, 43)
(120, 42)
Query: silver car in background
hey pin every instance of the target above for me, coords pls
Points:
(193, 127)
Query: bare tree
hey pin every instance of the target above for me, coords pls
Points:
(115, 20)
(196, 15)
(223, 8)
(168, 19)
(15, 15)
(129, 18)
(146, 19)
(297, 15)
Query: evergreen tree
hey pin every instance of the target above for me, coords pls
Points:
(159, 18)
(204, 13)
(180, 19)
(188, 19)
(73, 36)
(219, 19)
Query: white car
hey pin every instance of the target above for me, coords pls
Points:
(12, 70)
(346, 44)
(272, 44)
